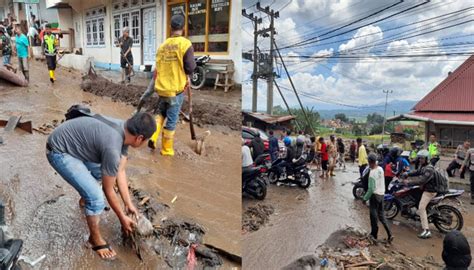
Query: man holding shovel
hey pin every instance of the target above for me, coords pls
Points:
(174, 64)
(126, 58)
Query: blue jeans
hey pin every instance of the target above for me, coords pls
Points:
(170, 111)
(6, 59)
(83, 176)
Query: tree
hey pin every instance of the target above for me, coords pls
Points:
(342, 117)
(375, 118)
(375, 129)
(357, 130)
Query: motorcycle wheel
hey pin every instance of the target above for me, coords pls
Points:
(444, 222)
(260, 191)
(391, 209)
(198, 77)
(358, 191)
(272, 177)
(304, 181)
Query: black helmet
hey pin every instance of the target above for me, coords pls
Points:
(395, 151)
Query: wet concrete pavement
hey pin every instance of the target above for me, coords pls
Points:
(43, 208)
(304, 219)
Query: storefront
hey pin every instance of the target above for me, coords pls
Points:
(213, 26)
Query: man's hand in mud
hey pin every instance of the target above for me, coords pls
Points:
(128, 224)
(132, 210)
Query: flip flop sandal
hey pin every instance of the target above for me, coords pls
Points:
(97, 248)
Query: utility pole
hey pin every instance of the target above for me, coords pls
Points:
(386, 92)
(264, 32)
(294, 89)
(256, 58)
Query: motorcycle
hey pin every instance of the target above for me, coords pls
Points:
(253, 184)
(9, 252)
(296, 173)
(264, 162)
(361, 185)
(405, 199)
(198, 77)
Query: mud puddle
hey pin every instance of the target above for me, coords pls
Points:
(305, 219)
(206, 187)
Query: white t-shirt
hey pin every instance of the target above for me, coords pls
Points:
(378, 175)
(246, 156)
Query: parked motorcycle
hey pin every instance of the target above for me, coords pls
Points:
(198, 77)
(405, 199)
(264, 163)
(9, 252)
(297, 173)
(253, 184)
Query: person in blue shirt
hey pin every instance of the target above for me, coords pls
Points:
(22, 45)
(273, 146)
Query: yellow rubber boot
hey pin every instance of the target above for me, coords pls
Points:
(154, 138)
(167, 143)
(51, 76)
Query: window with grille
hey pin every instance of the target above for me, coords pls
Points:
(95, 29)
(130, 19)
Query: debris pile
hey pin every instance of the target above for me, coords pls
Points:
(178, 242)
(205, 112)
(256, 216)
(47, 128)
(351, 248)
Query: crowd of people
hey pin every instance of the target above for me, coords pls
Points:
(15, 40)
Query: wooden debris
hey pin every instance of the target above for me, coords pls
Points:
(144, 200)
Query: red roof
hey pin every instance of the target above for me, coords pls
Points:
(453, 94)
(437, 117)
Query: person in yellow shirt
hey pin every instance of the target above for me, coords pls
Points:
(362, 156)
(174, 64)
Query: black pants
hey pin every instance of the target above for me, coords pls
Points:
(361, 169)
(388, 179)
(377, 214)
(453, 166)
(434, 160)
(51, 62)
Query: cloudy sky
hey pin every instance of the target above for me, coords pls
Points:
(435, 27)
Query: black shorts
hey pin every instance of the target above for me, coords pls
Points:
(324, 165)
(51, 62)
(123, 61)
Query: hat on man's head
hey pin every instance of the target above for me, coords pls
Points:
(177, 22)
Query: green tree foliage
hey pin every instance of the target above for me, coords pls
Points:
(342, 117)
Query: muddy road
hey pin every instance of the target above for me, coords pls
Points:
(304, 219)
(43, 209)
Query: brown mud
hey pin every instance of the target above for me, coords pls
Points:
(304, 219)
(350, 248)
(205, 111)
(256, 216)
(42, 209)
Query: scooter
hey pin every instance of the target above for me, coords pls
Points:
(405, 199)
(9, 252)
(198, 77)
(253, 184)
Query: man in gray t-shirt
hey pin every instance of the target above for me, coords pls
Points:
(86, 150)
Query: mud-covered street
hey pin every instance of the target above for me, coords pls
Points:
(304, 219)
(43, 210)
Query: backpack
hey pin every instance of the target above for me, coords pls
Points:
(79, 110)
(440, 180)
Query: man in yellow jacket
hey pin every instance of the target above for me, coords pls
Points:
(50, 46)
(174, 64)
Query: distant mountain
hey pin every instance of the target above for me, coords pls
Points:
(394, 107)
